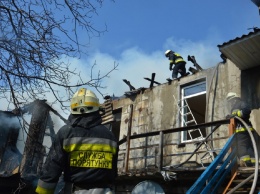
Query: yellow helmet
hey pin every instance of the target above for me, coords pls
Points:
(84, 101)
(231, 95)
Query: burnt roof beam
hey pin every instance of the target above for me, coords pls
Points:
(152, 80)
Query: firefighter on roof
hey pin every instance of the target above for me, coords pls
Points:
(237, 107)
(178, 62)
(84, 150)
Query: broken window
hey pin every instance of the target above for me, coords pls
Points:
(193, 106)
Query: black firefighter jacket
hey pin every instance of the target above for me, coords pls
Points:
(242, 110)
(85, 151)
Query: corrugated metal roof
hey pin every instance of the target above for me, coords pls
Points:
(243, 51)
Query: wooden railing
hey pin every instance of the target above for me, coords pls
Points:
(160, 155)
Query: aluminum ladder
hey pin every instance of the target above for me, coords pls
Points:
(189, 119)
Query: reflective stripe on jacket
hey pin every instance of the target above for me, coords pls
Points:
(90, 152)
(45, 188)
(176, 58)
(246, 158)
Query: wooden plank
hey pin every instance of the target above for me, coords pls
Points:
(129, 84)
(151, 80)
(128, 138)
(160, 152)
(33, 151)
(232, 126)
(230, 182)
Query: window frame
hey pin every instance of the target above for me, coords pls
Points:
(184, 134)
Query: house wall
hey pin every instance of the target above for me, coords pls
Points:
(155, 109)
(250, 85)
(226, 78)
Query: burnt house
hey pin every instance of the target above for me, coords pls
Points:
(10, 156)
(20, 168)
(175, 130)
(170, 134)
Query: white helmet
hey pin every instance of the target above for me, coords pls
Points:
(167, 52)
(231, 95)
(84, 101)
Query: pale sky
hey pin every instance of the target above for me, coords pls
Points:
(140, 31)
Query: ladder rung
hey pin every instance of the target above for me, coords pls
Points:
(206, 156)
(191, 121)
(194, 130)
(186, 114)
(184, 106)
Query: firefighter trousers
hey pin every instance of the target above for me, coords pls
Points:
(245, 150)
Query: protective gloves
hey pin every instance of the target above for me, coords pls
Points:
(237, 112)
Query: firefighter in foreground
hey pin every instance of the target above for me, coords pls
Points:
(84, 150)
(178, 62)
(238, 107)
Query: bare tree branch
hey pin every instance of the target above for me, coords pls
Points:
(34, 38)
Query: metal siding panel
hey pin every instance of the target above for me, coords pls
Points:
(245, 53)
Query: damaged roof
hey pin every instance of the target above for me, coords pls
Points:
(243, 51)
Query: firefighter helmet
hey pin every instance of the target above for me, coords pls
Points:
(167, 52)
(231, 95)
(84, 101)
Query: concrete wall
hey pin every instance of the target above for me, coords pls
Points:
(225, 78)
(156, 109)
